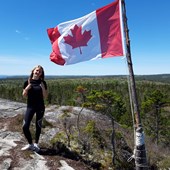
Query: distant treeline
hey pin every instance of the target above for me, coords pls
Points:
(62, 90)
(155, 77)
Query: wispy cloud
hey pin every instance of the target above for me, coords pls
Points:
(18, 32)
(23, 36)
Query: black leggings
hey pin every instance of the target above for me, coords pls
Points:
(27, 120)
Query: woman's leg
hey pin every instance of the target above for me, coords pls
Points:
(26, 125)
(39, 118)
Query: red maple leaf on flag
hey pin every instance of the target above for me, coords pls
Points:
(78, 39)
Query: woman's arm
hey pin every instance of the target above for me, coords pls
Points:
(44, 90)
(25, 91)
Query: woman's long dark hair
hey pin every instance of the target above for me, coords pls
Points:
(32, 72)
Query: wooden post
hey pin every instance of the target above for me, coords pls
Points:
(140, 152)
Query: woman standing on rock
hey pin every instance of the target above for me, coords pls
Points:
(35, 89)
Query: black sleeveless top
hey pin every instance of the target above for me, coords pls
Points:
(35, 94)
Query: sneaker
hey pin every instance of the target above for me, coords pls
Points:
(36, 147)
(28, 147)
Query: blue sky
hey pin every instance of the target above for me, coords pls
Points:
(24, 42)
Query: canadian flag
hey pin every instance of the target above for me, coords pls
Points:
(98, 34)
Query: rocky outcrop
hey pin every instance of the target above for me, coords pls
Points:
(12, 139)
(55, 156)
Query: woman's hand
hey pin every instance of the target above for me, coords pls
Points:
(25, 91)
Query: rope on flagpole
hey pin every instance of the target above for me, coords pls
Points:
(132, 110)
(138, 136)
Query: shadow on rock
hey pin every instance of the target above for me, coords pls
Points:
(61, 149)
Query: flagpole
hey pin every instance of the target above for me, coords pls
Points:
(139, 150)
